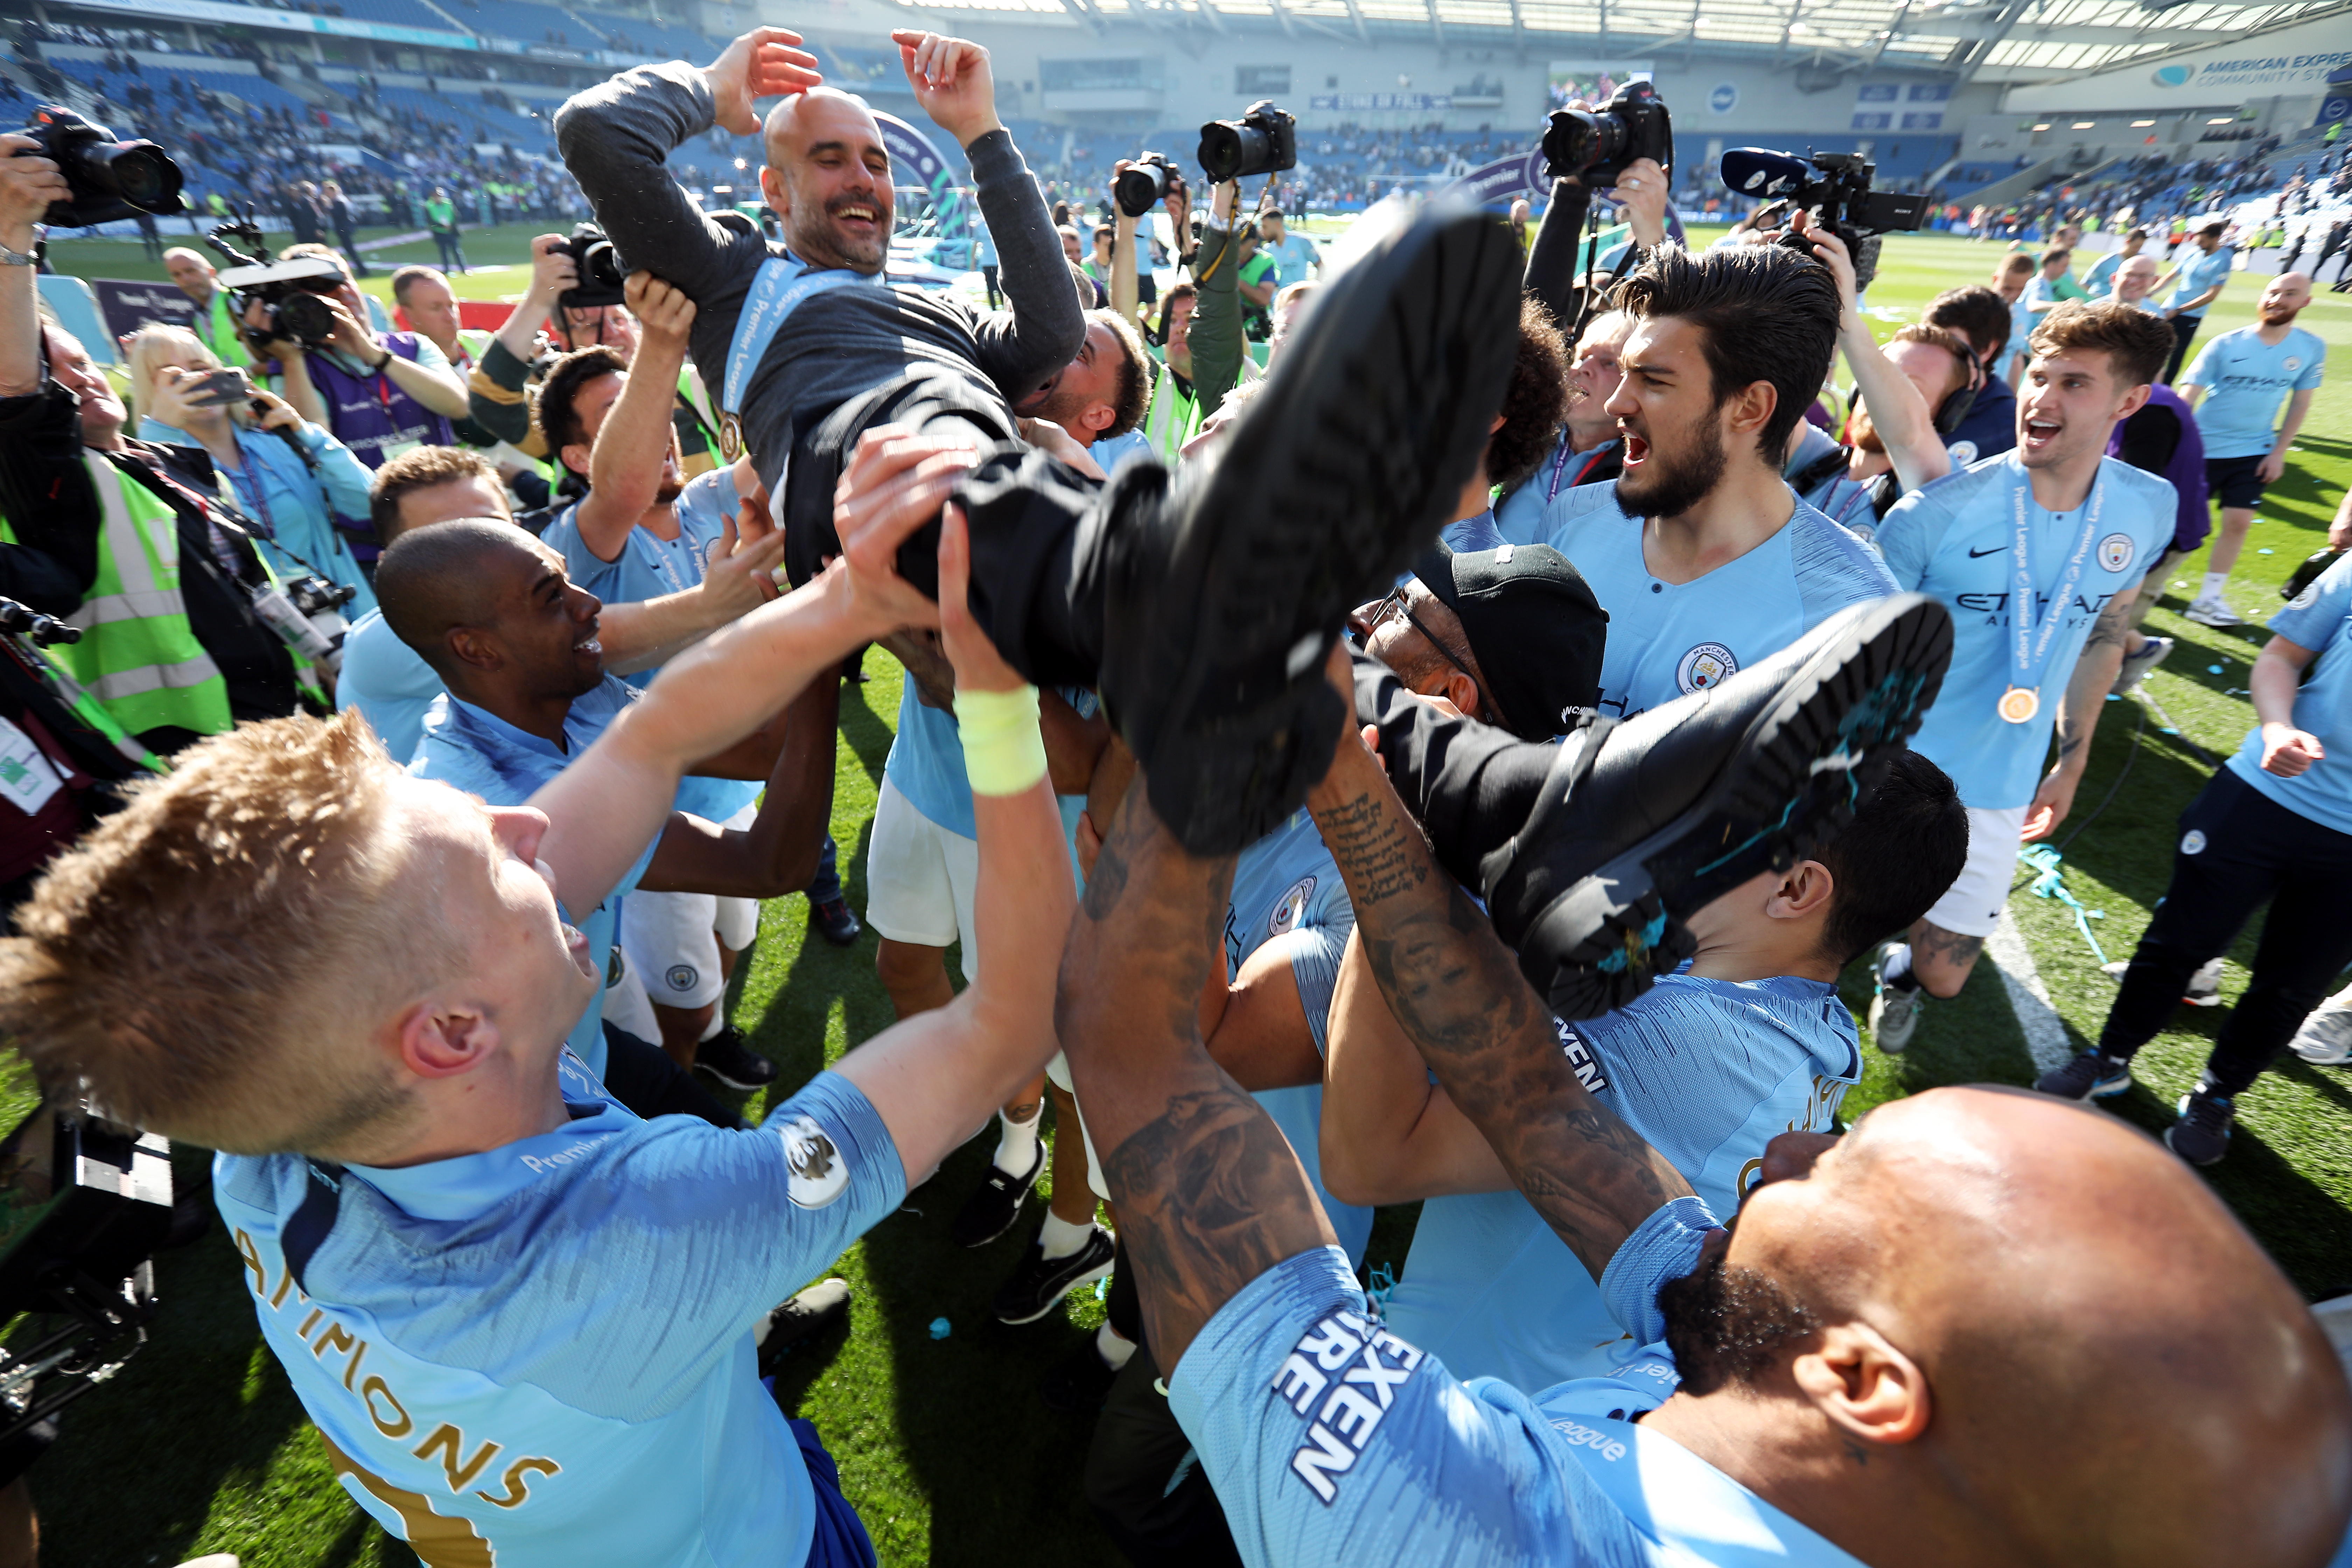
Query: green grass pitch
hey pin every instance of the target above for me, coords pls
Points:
(199, 1446)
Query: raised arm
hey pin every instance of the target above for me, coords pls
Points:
(625, 467)
(1458, 995)
(1902, 419)
(28, 184)
(778, 853)
(616, 136)
(1390, 1136)
(1043, 330)
(606, 808)
(935, 1075)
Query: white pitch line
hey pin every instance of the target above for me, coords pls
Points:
(2045, 1033)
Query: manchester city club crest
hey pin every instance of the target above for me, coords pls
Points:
(1285, 915)
(1706, 667)
(2116, 551)
(816, 1173)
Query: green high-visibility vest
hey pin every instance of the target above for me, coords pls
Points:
(216, 327)
(137, 656)
(1172, 419)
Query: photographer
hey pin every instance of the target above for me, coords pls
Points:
(172, 647)
(1896, 448)
(290, 478)
(1192, 384)
(1554, 276)
(517, 359)
(378, 395)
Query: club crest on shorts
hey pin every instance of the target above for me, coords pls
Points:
(817, 1173)
(2116, 551)
(1293, 906)
(681, 977)
(1707, 665)
(2193, 841)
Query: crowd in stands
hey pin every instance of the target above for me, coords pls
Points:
(1464, 783)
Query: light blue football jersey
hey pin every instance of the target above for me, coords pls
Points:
(2248, 384)
(648, 566)
(1669, 639)
(540, 1355)
(1952, 538)
(1709, 1072)
(1333, 1442)
(2316, 619)
(482, 754)
(1287, 889)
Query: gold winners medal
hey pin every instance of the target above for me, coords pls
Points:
(731, 436)
(2020, 703)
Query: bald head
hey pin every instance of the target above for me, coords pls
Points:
(431, 581)
(828, 179)
(2064, 1346)
(2135, 278)
(191, 273)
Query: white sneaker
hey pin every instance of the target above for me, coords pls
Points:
(2212, 612)
(2137, 665)
(1894, 1015)
(2203, 990)
(2325, 1038)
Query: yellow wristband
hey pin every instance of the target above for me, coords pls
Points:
(1003, 753)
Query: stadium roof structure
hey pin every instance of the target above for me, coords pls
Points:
(1995, 39)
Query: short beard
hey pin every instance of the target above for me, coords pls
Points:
(2280, 316)
(1729, 1326)
(667, 492)
(1672, 491)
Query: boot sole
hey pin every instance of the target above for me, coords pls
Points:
(1342, 471)
(1795, 779)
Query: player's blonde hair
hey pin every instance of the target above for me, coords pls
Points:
(206, 961)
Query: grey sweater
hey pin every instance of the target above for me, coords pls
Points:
(837, 344)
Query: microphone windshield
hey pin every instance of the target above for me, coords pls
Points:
(1763, 174)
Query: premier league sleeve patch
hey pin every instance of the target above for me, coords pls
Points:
(2116, 551)
(816, 1174)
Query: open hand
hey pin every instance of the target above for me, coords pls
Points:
(952, 81)
(766, 62)
(896, 482)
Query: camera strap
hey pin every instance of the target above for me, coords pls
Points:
(784, 281)
(302, 1235)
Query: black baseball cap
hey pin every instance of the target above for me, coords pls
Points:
(1533, 626)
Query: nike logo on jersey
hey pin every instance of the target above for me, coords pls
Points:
(1996, 549)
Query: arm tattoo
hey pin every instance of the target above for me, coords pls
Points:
(1459, 996)
(1210, 1197)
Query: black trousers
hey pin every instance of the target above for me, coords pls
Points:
(2246, 849)
(1036, 524)
(648, 1080)
(1143, 1479)
(1472, 786)
(2184, 333)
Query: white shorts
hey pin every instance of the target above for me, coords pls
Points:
(1972, 905)
(920, 879)
(672, 939)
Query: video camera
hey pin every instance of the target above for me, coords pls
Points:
(602, 276)
(1592, 146)
(1264, 140)
(1834, 189)
(294, 290)
(110, 179)
(83, 1206)
(1143, 185)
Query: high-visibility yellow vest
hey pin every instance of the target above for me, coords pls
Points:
(137, 656)
(214, 325)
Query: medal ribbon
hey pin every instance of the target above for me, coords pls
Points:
(2029, 655)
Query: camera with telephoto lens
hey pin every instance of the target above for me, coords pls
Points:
(601, 274)
(294, 292)
(1143, 185)
(1264, 140)
(84, 1204)
(1833, 188)
(41, 630)
(108, 179)
(1592, 146)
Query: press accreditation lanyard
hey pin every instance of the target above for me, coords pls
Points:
(2029, 651)
(783, 283)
